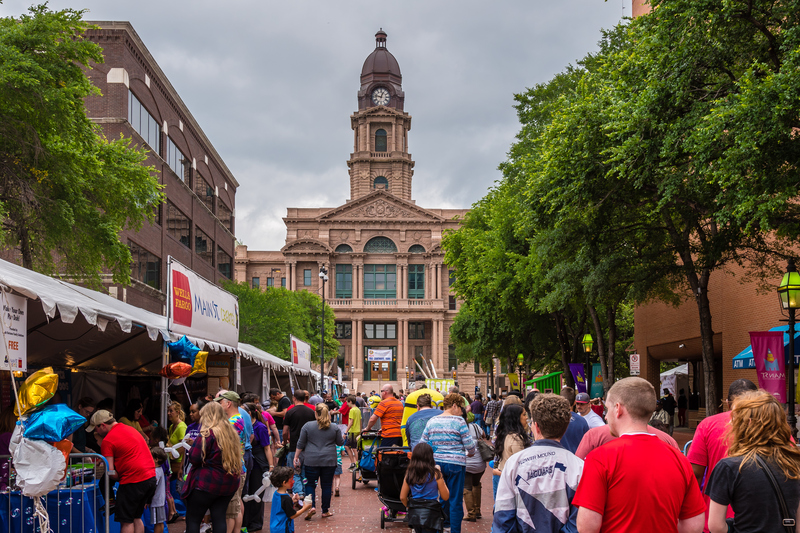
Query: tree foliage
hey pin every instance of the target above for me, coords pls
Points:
(66, 191)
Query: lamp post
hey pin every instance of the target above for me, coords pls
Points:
(588, 343)
(789, 293)
(520, 362)
(323, 275)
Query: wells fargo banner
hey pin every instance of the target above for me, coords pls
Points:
(770, 358)
(199, 308)
(301, 353)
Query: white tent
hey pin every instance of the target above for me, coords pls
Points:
(675, 379)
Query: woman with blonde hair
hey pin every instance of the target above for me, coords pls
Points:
(176, 432)
(317, 450)
(216, 464)
(759, 448)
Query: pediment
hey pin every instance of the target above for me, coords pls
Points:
(380, 205)
(306, 246)
(382, 111)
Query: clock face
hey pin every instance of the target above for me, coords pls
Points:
(380, 96)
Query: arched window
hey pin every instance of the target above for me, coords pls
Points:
(344, 249)
(381, 183)
(380, 245)
(416, 249)
(380, 141)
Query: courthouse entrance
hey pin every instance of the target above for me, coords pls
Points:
(380, 370)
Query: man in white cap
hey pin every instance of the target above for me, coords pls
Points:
(585, 410)
(130, 462)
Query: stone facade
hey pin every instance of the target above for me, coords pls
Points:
(388, 284)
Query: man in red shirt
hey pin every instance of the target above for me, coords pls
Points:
(596, 437)
(390, 411)
(129, 461)
(636, 482)
(709, 444)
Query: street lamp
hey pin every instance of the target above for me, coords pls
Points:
(520, 362)
(323, 275)
(587, 342)
(789, 293)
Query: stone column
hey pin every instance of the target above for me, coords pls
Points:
(401, 282)
(401, 345)
(288, 274)
(434, 352)
(439, 280)
(357, 281)
(359, 355)
(353, 346)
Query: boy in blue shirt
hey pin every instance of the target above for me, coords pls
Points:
(283, 513)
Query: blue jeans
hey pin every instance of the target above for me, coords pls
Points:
(495, 481)
(479, 421)
(454, 507)
(298, 480)
(325, 475)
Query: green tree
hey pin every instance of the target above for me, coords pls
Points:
(66, 192)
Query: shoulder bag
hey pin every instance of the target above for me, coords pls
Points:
(788, 521)
(484, 449)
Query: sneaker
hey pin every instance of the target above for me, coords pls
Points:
(244, 530)
(352, 467)
(204, 528)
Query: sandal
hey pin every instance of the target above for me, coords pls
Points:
(336, 494)
(311, 513)
(327, 514)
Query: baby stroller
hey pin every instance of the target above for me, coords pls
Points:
(367, 446)
(391, 470)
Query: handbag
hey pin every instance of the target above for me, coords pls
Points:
(281, 451)
(484, 449)
(788, 521)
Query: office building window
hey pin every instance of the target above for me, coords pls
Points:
(416, 249)
(452, 303)
(416, 281)
(270, 282)
(203, 245)
(204, 192)
(452, 277)
(177, 161)
(144, 123)
(380, 245)
(307, 277)
(179, 225)
(381, 183)
(344, 281)
(416, 330)
(380, 281)
(344, 249)
(225, 215)
(256, 284)
(283, 282)
(380, 331)
(145, 267)
(224, 263)
(380, 141)
(344, 330)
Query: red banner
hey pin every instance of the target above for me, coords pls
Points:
(770, 358)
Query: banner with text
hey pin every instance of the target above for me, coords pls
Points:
(442, 385)
(14, 352)
(597, 382)
(199, 308)
(768, 353)
(301, 353)
(379, 355)
(579, 376)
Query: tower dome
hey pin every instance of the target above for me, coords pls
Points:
(381, 69)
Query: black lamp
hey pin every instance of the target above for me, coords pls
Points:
(789, 293)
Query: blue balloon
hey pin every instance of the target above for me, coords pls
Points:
(53, 423)
(183, 350)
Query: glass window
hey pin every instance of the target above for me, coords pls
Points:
(416, 330)
(180, 165)
(452, 303)
(381, 183)
(307, 277)
(452, 361)
(224, 263)
(380, 140)
(144, 123)
(178, 225)
(256, 282)
(270, 282)
(145, 267)
(344, 330)
(380, 245)
(344, 281)
(380, 331)
(203, 245)
(416, 249)
(416, 281)
(204, 191)
(224, 215)
(283, 282)
(380, 281)
(369, 331)
(344, 249)
(452, 278)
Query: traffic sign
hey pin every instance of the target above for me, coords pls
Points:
(635, 364)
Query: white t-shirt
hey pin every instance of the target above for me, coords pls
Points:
(593, 419)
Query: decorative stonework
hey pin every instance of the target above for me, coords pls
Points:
(382, 209)
(344, 236)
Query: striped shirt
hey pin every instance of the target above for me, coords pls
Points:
(390, 411)
(450, 439)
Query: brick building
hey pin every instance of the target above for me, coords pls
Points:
(196, 224)
(388, 285)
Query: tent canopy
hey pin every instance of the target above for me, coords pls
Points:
(745, 358)
(682, 369)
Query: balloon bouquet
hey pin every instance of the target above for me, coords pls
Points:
(188, 361)
(39, 446)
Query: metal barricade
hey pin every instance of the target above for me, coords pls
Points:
(73, 507)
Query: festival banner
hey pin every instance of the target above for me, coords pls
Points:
(513, 381)
(579, 376)
(301, 353)
(770, 364)
(199, 308)
(441, 385)
(379, 355)
(597, 382)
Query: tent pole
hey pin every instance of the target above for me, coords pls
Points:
(165, 386)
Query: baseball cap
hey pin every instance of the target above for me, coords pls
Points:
(582, 397)
(99, 417)
(228, 395)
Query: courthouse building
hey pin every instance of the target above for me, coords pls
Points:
(388, 285)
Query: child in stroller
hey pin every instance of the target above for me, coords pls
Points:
(422, 488)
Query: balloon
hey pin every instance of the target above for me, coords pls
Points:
(183, 350)
(199, 366)
(176, 370)
(65, 447)
(40, 467)
(53, 423)
(37, 389)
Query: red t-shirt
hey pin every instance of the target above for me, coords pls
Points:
(344, 410)
(638, 483)
(596, 437)
(132, 459)
(598, 409)
(709, 445)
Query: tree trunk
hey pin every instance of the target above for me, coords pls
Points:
(707, 337)
(611, 318)
(563, 343)
(601, 349)
(25, 247)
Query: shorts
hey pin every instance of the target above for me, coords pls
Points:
(131, 499)
(235, 505)
(158, 515)
(352, 440)
(338, 471)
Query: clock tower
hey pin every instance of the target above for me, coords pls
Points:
(380, 158)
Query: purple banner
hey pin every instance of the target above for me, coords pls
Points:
(579, 375)
(768, 353)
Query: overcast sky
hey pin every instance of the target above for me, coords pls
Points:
(273, 85)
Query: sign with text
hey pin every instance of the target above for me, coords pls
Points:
(768, 353)
(442, 385)
(635, 364)
(14, 352)
(301, 353)
(579, 375)
(379, 355)
(199, 308)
